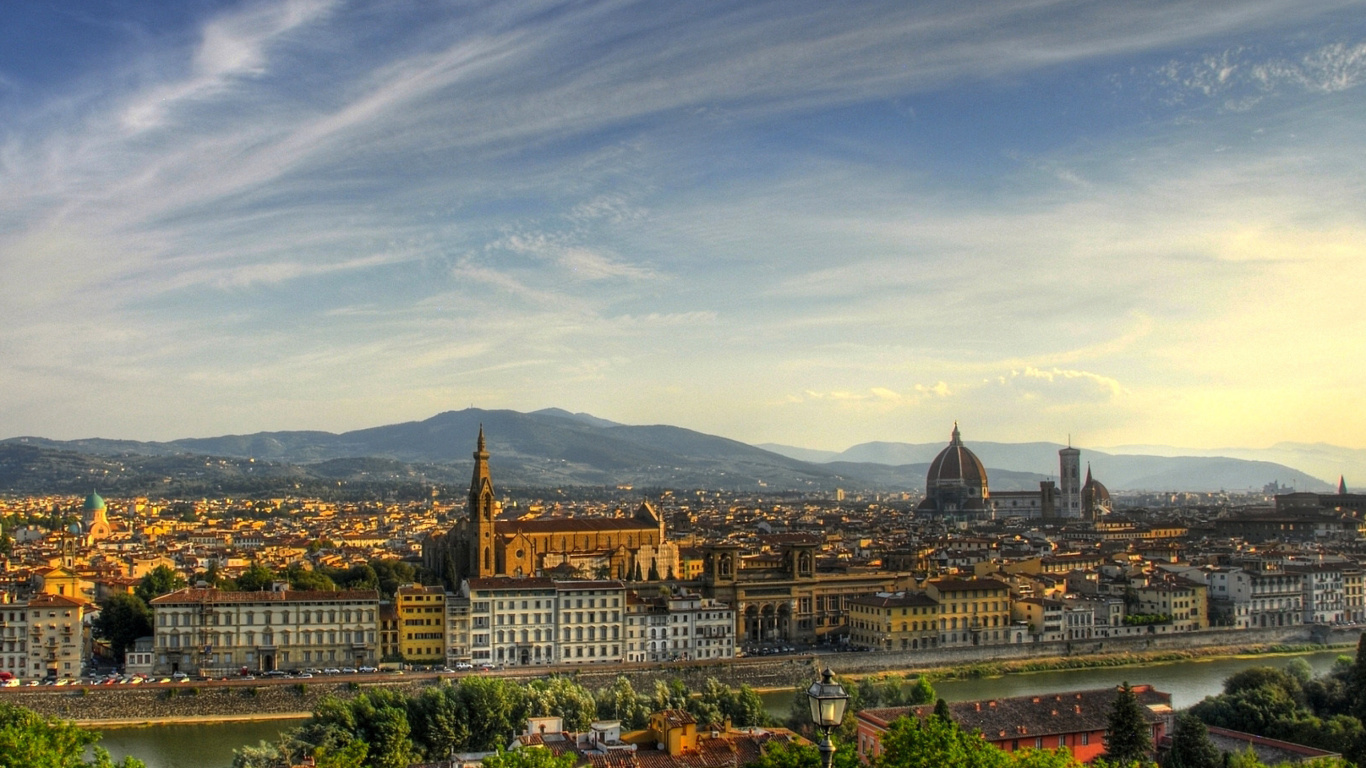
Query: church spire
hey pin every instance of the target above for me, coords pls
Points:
(1088, 473)
(481, 448)
(1342, 486)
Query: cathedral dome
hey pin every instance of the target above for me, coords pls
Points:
(1095, 497)
(956, 466)
(956, 484)
(93, 502)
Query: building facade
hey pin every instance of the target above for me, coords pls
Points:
(215, 632)
(421, 614)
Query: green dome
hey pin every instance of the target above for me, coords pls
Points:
(93, 502)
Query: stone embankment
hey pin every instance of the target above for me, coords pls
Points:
(261, 698)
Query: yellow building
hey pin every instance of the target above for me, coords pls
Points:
(421, 623)
(972, 611)
(894, 621)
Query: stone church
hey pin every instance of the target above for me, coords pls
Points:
(481, 545)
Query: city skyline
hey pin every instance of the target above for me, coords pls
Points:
(792, 223)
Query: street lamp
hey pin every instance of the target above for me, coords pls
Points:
(828, 700)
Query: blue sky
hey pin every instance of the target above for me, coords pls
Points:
(806, 223)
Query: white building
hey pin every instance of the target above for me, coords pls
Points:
(680, 626)
(213, 632)
(512, 620)
(590, 621)
(43, 638)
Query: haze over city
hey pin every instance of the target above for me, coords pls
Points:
(804, 223)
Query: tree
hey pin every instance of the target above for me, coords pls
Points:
(161, 580)
(123, 619)
(935, 742)
(1356, 680)
(562, 697)
(619, 701)
(1128, 738)
(29, 740)
(922, 692)
(257, 578)
(941, 710)
(1191, 747)
(529, 757)
(792, 755)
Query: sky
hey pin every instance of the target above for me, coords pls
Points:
(798, 222)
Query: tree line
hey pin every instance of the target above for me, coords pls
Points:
(383, 728)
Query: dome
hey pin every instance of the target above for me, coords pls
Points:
(93, 502)
(74, 529)
(956, 466)
(1095, 497)
(956, 484)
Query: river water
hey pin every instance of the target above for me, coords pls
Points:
(1189, 681)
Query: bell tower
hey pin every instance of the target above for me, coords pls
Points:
(482, 511)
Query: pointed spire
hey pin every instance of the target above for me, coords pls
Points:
(481, 437)
(1088, 473)
(1342, 486)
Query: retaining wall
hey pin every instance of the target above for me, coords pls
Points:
(244, 700)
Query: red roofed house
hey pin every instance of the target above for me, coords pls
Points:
(1075, 720)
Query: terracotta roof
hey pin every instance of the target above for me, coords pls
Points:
(1031, 716)
(192, 595)
(571, 525)
(959, 585)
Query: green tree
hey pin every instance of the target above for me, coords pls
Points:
(257, 578)
(1356, 680)
(123, 619)
(439, 721)
(494, 706)
(29, 740)
(619, 701)
(941, 710)
(351, 756)
(308, 578)
(529, 757)
(1191, 747)
(922, 692)
(936, 742)
(161, 580)
(562, 697)
(794, 755)
(1128, 737)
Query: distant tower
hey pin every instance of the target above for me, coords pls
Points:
(1342, 486)
(482, 511)
(1069, 481)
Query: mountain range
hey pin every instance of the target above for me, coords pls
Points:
(554, 447)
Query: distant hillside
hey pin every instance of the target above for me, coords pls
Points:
(1117, 471)
(555, 447)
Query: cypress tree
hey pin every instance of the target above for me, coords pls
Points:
(1191, 747)
(1128, 738)
(941, 709)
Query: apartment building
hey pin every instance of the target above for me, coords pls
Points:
(216, 632)
(590, 621)
(512, 620)
(974, 612)
(894, 621)
(421, 613)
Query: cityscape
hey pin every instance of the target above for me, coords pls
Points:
(745, 384)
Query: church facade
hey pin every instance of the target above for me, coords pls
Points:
(483, 546)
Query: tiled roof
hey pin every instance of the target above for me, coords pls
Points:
(192, 595)
(1031, 716)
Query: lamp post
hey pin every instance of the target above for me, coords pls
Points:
(828, 700)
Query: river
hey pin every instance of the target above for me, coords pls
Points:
(1189, 681)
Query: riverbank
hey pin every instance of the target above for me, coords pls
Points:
(243, 701)
(142, 722)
